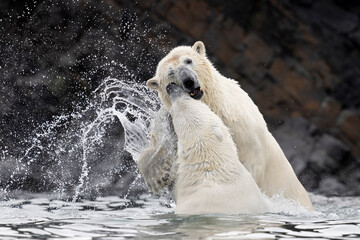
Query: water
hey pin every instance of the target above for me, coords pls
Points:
(85, 152)
(149, 217)
(132, 105)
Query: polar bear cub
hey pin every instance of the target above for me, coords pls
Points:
(210, 178)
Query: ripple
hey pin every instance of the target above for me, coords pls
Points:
(150, 217)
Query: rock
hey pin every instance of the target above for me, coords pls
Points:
(233, 34)
(253, 59)
(274, 101)
(297, 86)
(335, 17)
(355, 36)
(189, 16)
(310, 108)
(295, 142)
(327, 154)
(179, 16)
(315, 156)
(320, 162)
(330, 186)
(218, 43)
(349, 130)
(328, 113)
(347, 91)
(334, 148)
(240, 11)
(310, 179)
(320, 74)
(257, 51)
(279, 69)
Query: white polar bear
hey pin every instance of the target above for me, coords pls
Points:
(210, 179)
(257, 149)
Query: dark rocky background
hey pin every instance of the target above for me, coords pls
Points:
(298, 60)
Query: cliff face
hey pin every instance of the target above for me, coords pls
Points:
(298, 60)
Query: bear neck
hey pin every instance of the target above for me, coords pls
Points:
(214, 91)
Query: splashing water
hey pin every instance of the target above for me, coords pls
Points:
(91, 150)
(133, 106)
(118, 104)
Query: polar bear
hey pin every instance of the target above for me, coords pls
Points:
(257, 149)
(210, 178)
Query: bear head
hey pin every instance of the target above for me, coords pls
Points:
(185, 66)
(175, 92)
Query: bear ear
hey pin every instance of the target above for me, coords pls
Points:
(199, 47)
(152, 83)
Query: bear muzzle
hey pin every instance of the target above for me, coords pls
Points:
(197, 93)
(174, 90)
(190, 83)
(192, 86)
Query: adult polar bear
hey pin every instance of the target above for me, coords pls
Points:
(210, 179)
(257, 149)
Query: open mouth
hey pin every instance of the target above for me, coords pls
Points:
(197, 93)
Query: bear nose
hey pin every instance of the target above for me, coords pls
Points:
(188, 83)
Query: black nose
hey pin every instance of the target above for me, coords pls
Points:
(188, 83)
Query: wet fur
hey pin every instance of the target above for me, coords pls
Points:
(257, 149)
(210, 179)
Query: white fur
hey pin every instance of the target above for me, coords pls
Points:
(210, 179)
(257, 149)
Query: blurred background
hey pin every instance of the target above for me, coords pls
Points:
(298, 60)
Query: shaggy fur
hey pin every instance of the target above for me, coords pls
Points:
(257, 149)
(210, 178)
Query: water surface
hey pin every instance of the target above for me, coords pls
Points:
(151, 217)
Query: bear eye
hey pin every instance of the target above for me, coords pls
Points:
(188, 61)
